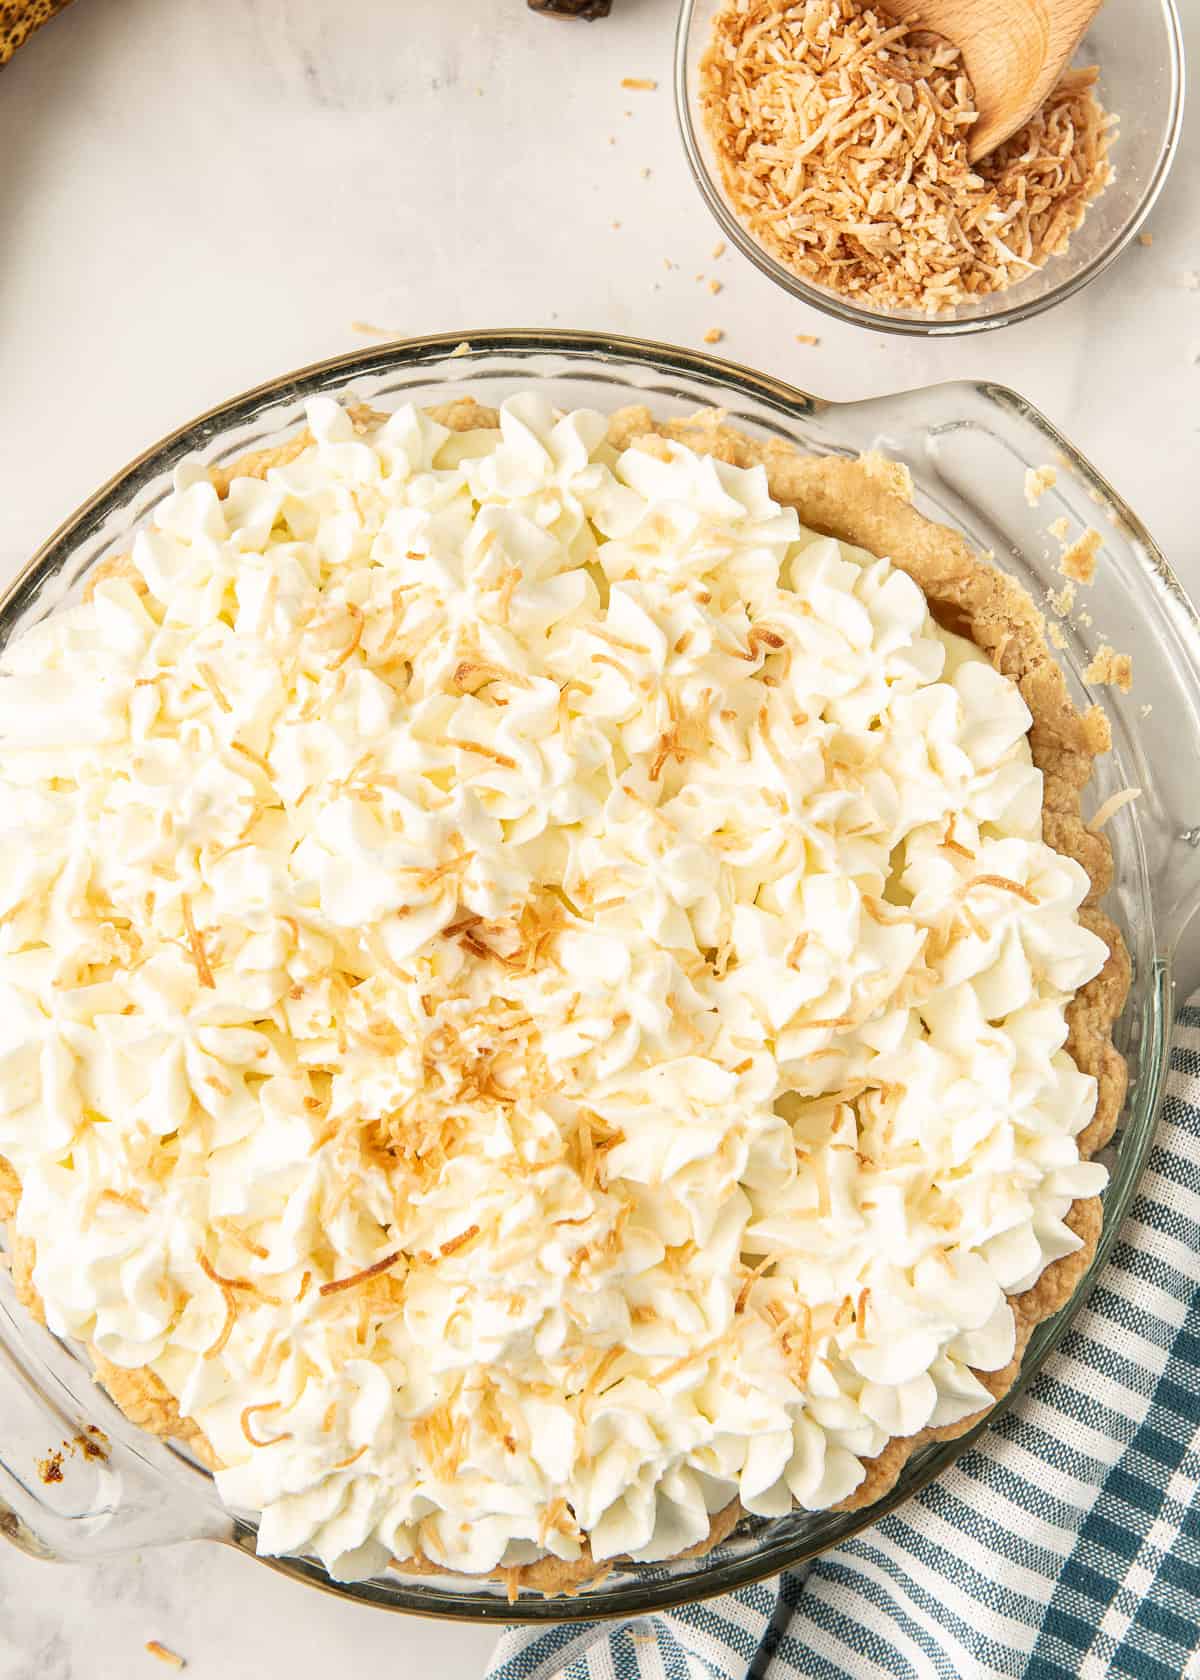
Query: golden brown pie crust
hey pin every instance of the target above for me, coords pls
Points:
(864, 502)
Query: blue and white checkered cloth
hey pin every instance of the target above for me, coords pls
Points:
(1064, 1546)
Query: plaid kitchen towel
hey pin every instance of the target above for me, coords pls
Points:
(1064, 1546)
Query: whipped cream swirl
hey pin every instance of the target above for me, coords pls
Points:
(531, 992)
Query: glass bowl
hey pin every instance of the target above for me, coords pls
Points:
(1138, 45)
(968, 446)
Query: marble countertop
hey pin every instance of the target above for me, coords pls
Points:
(196, 196)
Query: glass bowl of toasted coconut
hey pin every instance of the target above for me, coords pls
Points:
(830, 144)
(85, 1472)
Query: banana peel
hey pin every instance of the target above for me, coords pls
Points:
(19, 19)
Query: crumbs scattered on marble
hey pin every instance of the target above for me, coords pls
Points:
(164, 1654)
(50, 1468)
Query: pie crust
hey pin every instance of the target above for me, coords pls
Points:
(866, 502)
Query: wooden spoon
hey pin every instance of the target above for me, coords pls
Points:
(1014, 52)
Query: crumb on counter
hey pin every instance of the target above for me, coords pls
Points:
(1078, 561)
(1037, 481)
(164, 1654)
(639, 84)
(718, 249)
(50, 1468)
(1110, 669)
(714, 335)
(93, 1444)
(1146, 239)
(807, 338)
(714, 287)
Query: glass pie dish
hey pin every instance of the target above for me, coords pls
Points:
(1138, 45)
(67, 1491)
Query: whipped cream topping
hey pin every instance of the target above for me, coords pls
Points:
(531, 992)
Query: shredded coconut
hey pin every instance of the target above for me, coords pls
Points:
(841, 140)
(1114, 803)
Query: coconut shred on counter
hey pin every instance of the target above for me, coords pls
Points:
(531, 992)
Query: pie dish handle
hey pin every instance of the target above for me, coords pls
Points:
(77, 1481)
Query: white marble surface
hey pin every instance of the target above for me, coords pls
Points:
(199, 194)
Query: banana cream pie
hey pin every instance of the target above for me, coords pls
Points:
(550, 986)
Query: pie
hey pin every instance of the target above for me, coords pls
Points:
(549, 996)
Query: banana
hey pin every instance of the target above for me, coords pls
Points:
(19, 19)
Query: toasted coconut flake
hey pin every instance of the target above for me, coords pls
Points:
(973, 922)
(704, 1352)
(949, 842)
(764, 1265)
(460, 1241)
(336, 1285)
(601, 1370)
(214, 687)
(230, 1229)
(470, 675)
(196, 945)
(355, 639)
(797, 950)
(164, 1654)
(255, 758)
(1114, 803)
(255, 1441)
(123, 1198)
(1001, 883)
(226, 1330)
(482, 749)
